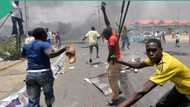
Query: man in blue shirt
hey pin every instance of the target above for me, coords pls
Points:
(39, 74)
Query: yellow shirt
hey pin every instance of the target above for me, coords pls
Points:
(92, 37)
(170, 68)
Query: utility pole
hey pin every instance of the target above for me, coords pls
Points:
(98, 19)
(20, 37)
(26, 16)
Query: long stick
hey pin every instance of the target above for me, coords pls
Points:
(121, 15)
(86, 79)
(26, 17)
(127, 8)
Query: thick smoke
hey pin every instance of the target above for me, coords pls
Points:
(75, 18)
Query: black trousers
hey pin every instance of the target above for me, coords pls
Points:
(173, 99)
(16, 21)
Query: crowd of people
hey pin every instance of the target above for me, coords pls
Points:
(40, 46)
(53, 38)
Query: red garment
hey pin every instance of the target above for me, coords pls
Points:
(113, 41)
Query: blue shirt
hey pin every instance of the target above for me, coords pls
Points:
(35, 53)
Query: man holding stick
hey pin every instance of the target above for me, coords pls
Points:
(167, 68)
(114, 54)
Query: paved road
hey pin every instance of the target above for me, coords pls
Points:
(12, 74)
(72, 91)
(77, 93)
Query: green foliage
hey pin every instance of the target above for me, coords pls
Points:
(8, 49)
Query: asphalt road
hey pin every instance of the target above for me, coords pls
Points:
(72, 91)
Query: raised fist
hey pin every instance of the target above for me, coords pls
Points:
(103, 6)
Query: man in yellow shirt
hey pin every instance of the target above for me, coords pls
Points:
(167, 68)
(93, 37)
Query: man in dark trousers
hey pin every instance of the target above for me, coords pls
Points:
(168, 68)
(39, 74)
(114, 54)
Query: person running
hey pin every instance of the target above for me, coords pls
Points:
(16, 17)
(39, 74)
(93, 37)
(114, 54)
(167, 68)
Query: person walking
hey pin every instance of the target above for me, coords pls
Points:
(93, 37)
(168, 68)
(39, 75)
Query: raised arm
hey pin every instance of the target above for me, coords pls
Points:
(106, 20)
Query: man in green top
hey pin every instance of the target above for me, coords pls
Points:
(167, 68)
